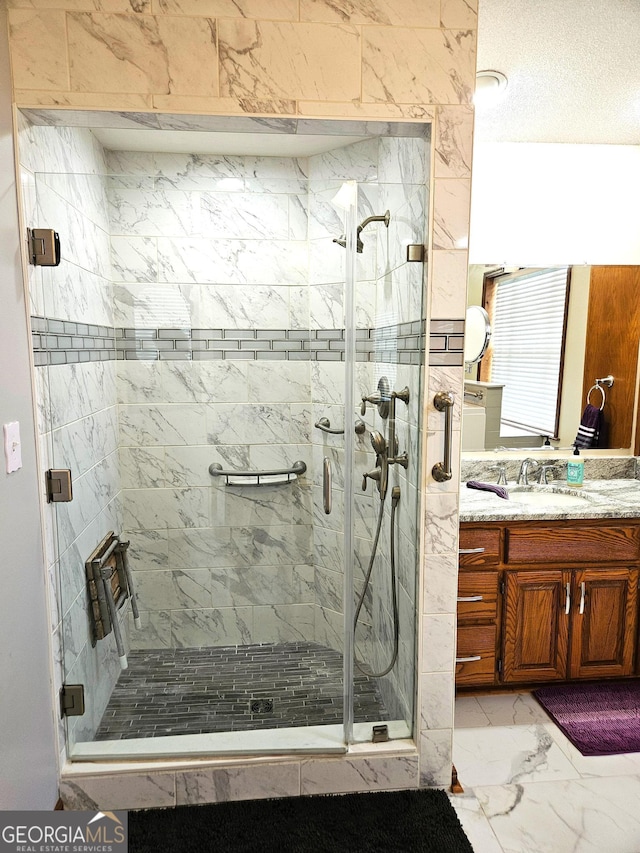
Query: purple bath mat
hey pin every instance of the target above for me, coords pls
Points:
(600, 718)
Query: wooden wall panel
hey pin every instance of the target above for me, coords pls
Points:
(612, 346)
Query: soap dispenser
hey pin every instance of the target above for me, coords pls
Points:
(575, 470)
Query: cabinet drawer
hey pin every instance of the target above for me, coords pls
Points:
(572, 545)
(483, 545)
(474, 586)
(476, 655)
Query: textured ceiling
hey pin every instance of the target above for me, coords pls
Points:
(573, 68)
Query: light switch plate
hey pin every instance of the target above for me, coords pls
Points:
(12, 446)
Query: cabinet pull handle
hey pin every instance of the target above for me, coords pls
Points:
(582, 597)
(470, 598)
(567, 600)
(469, 659)
(471, 551)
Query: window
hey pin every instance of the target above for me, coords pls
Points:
(528, 311)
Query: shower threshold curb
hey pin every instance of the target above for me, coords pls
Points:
(172, 752)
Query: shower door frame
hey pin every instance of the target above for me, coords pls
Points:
(348, 604)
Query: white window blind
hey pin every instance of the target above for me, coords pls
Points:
(527, 343)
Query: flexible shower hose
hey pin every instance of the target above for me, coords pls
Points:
(395, 500)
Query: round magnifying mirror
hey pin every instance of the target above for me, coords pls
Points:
(477, 333)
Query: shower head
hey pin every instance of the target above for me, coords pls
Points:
(378, 442)
(342, 240)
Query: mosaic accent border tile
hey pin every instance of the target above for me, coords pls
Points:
(446, 343)
(233, 688)
(67, 342)
(64, 342)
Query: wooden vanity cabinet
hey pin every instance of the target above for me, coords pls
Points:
(478, 596)
(566, 602)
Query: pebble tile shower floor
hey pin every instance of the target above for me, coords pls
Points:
(228, 688)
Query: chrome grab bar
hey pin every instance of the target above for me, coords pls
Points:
(567, 600)
(324, 424)
(471, 551)
(583, 593)
(326, 484)
(286, 475)
(443, 401)
(469, 659)
(470, 598)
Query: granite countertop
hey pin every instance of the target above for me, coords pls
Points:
(596, 499)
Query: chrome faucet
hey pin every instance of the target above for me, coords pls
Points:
(544, 473)
(523, 475)
(501, 468)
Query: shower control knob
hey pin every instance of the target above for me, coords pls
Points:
(372, 475)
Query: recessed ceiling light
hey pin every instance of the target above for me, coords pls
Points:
(490, 87)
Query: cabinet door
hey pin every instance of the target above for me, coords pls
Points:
(603, 622)
(536, 625)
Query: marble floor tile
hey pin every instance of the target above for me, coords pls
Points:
(527, 789)
(512, 709)
(469, 714)
(571, 816)
(475, 823)
(504, 755)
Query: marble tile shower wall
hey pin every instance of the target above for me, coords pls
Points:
(212, 252)
(61, 171)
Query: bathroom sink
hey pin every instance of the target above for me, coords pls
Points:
(540, 496)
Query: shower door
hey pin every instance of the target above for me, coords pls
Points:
(201, 355)
(388, 370)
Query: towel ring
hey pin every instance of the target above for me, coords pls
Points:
(599, 388)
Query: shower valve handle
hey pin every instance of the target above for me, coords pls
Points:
(372, 475)
(375, 399)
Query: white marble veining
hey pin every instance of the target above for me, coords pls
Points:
(323, 776)
(172, 55)
(504, 756)
(237, 783)
(135, 790)
(527, 788)
(581, 816)
(422, 80)
(224, 261)
(211, 627)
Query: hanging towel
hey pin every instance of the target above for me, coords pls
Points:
(500, 491)
(589, 429)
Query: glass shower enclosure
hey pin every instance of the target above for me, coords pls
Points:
(229, 360)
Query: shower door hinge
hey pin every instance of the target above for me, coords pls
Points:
(72, 700)
(59, 487)
(416, 253)
(44, 247)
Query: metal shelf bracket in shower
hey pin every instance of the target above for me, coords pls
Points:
(259, 478)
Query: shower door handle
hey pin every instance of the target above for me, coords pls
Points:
(326, 484)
